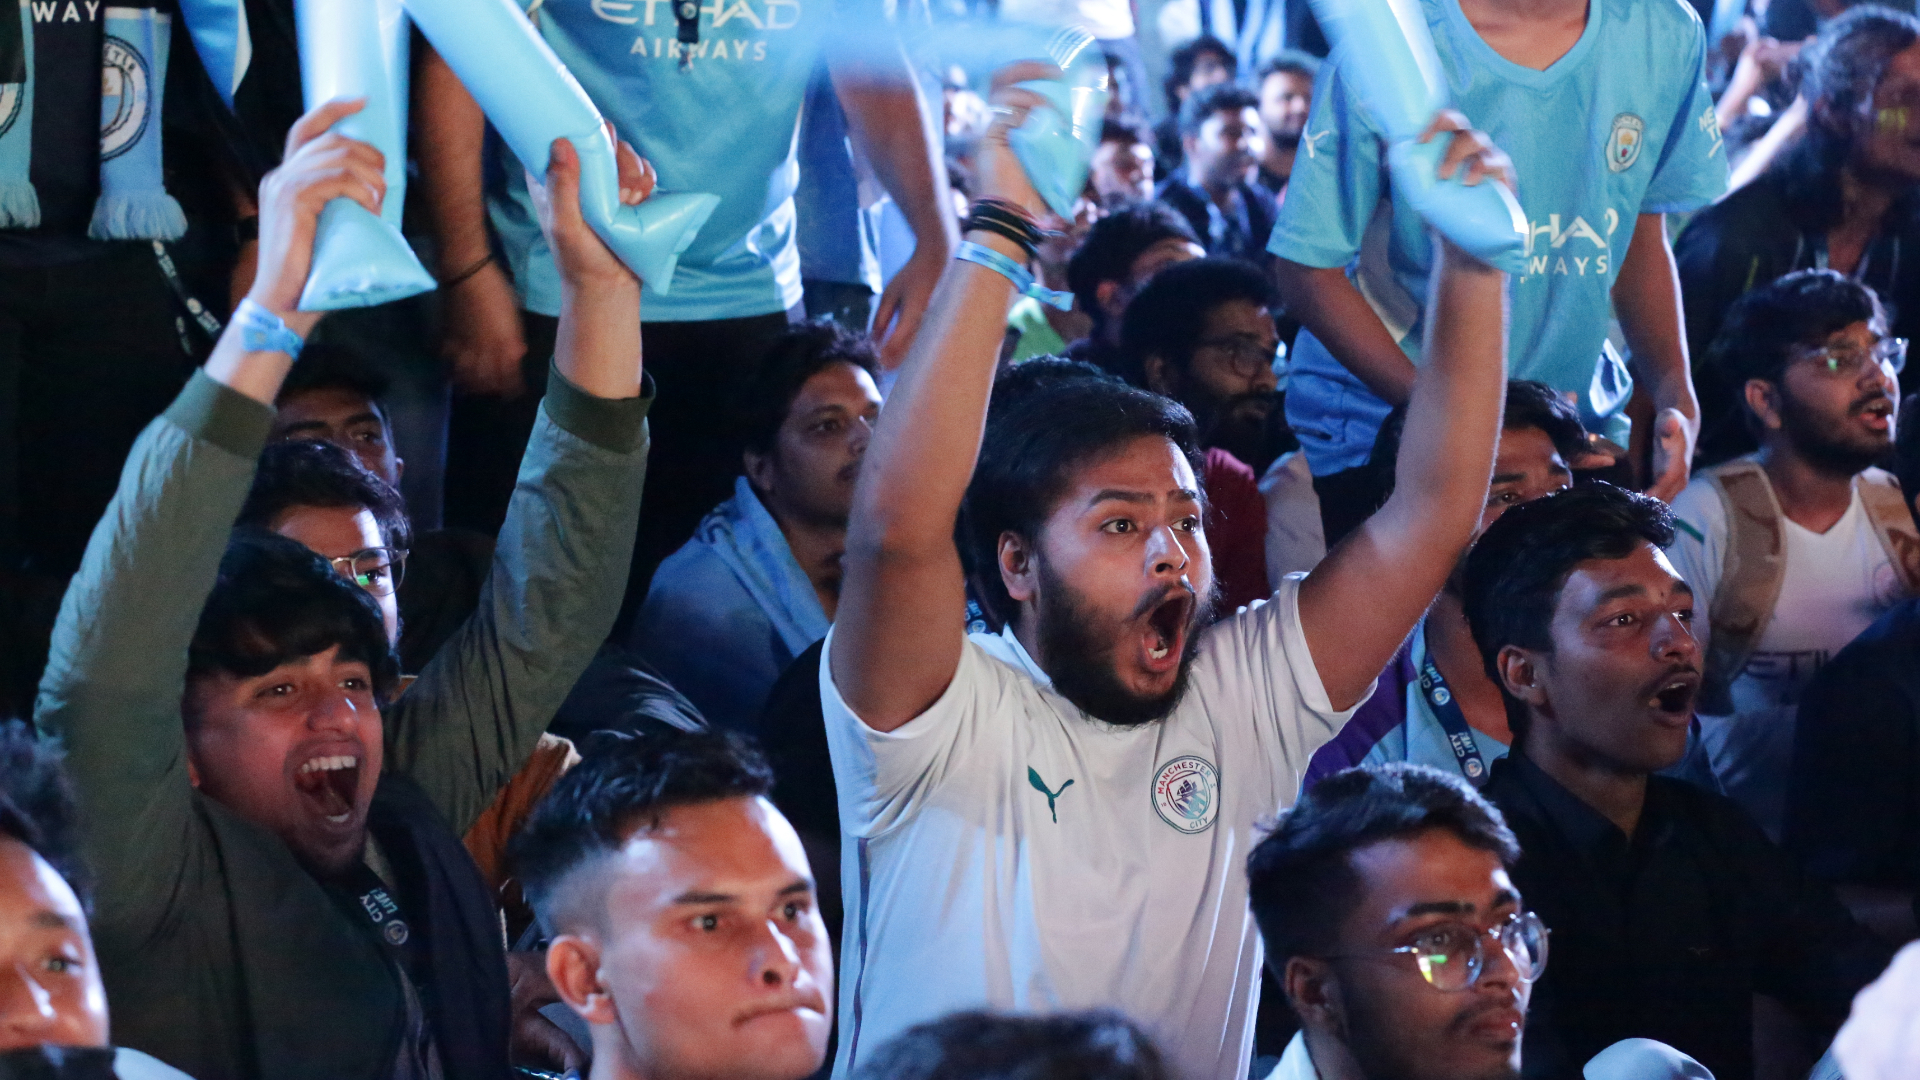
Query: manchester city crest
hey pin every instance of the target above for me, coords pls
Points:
(125, 97)
(1186, 794)
(12, 96)
(1623, 143)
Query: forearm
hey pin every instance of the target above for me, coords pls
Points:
(891, 123)
(452, 131)
(597, 346)
(1646, 298)
(1327, 303)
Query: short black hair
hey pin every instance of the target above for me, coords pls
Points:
(624, 781)
(274, 602)
(1182, 61)
(37, 804)
(1300, 882)
(978, 1045)
(1125, 130)
(1906, 452)
(1042, 426)
(1218, 98)
(1517, 568)
(1800, 309)
(1530, 404)
(765, 393)
(1113, 243)
(1165, 317)
(310, 472)
(327, 365)
(1292, 62)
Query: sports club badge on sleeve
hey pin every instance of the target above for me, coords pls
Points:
(1623, 143)
(1186, 794)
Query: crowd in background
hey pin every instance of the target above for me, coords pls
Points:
(1221, 631)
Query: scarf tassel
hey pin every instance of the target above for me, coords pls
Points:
(135, 215)
(19, 205)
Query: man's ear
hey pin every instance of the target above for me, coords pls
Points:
(1162, 377)
(1019, 568)
(1520, 672)
(1313, 990)
(1107, 294)
(1763, 398)
(573, 963)
(399, 467)
(759, 470)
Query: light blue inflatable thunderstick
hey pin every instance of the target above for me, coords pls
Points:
(1055, 145)
(358, 48)
(532, 99)
(1386, 53)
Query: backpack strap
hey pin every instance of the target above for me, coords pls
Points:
(1752, 569)
(1893, 524)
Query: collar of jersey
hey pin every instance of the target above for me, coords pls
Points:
(1006, 648)
(1483, 53)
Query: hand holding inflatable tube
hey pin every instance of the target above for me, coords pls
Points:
(1396, 74)
(358, 49)
(532, 100)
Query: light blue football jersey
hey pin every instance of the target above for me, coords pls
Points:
(725, 124)
(1620, 126)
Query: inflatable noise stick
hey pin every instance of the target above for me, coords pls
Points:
(1386, 53)
(532, 99)
(358, 48)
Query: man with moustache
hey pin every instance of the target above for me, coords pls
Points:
(1670, 908)
(1224, 140)
(1052, 817)
(1806, 528)
(1286, 97)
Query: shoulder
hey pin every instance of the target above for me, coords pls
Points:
(1700, 511)
(1672, 16)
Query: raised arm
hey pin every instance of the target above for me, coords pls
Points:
(1358, 604)
(900, 626)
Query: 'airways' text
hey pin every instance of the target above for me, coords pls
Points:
(666, 48)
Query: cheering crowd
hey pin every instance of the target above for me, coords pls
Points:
(1224, 631)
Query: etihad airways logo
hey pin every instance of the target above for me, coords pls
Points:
(1571, 247)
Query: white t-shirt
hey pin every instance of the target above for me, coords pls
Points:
(1836, 583)
(1004, 850)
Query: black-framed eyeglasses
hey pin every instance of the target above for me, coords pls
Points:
(1453, 956)
(1846, 362)
(377, 570)
(1246, 355)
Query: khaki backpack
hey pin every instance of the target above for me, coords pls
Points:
(1754, 565)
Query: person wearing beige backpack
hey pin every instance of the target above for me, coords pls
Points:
(1794, 550)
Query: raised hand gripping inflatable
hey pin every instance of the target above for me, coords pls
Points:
(1397, 76)
(532, 100)
(358, 48)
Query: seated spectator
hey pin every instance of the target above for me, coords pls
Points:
(1435, 704)
(993, 1046)
(277, 837)
(53, 1017)
(1121, 253)
(760, 580)
(1205, 61)
(1794, 550)
(1286, 97)
(1121, 173)
(680, 912)
(1037, 329)
(1214, 189)
(1202, 333)
(1843, 198)
(1670, 908)
(1391, 923)
(1853, 794)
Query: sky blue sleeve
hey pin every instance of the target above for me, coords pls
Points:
(1336, 181)
(1693, 164)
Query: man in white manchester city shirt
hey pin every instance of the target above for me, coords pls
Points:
(1059, 817)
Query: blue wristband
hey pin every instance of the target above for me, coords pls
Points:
(1014, 272)
(263, 331)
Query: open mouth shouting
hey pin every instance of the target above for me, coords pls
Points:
(1169, 621)
(330, 785)
(1671, 700)
(1875, 411)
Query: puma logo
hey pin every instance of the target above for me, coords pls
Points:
(1312, 142)
(1040, 786)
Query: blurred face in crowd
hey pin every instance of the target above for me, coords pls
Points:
(1209, 69)
(710, 959)
(1620, 683)
(817, 452)
(1228, 144)
(1119, 582)
(296, 751)
(1376, 1007)
(340, 532)
(1229, 382)
(345, 419)
(1116, 295)
(1285, 99)
(1887, 148)
(1526, 466)
(1835, 403)
(50, 990)
(1122, 173)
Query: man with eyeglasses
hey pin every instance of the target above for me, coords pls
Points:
(1202, 333)
(1670, 908)
(1806, 527)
